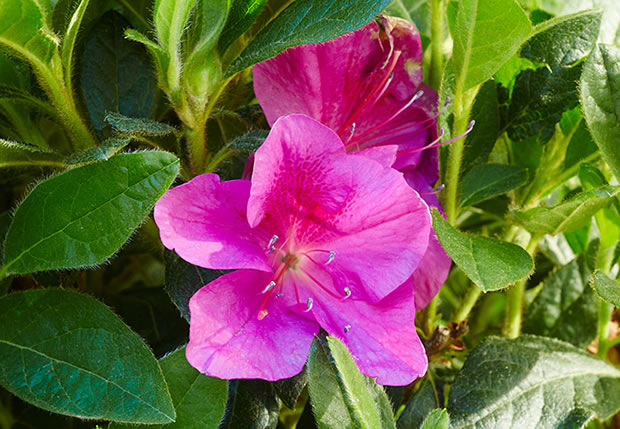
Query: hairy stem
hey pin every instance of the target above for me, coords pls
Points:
(468, 303)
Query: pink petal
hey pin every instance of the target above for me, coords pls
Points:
(435, 266)
(227, 340)
(205, 222)
(382, 338)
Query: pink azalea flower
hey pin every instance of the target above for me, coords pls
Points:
(367, 86)
(320, 239)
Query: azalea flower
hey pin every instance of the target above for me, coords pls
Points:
(321, 239)
(367, 86)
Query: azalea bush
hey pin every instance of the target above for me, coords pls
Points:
(281, 214)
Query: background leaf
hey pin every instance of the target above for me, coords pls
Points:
(68, 353)
(491, 264)
(606, 288)
(14, 154)
(438, 419)
(600, 91)
(341, 395)
(306, 21)
(251, 404)
(240, 17)
(421, 404)
(83, 216)
(137, 126)
(532, 382)
(490, 180)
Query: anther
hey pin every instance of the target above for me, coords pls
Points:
(308, 305)
(347, 292)
(270, 286)
(272, 242)
(271, 249)
(331, 257)
(347, 328)
(279, 295)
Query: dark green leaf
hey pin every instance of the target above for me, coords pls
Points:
(539, 98)
(421, 404)
(564, 40)
(491, 264)
(137, 126)
(481, 139)
(600, 92)
(289, 389)
(68, 353)
(306, 21)
(580, 146)
(13, 154)
(199, 400)
(566, 307)
(116, 74)
(100, 153)
(81, 217)
(606, 288)
(184, 279)
(569, 215)
(242, 14)
(438, 419)
(252, 404)
(342, 397)
(490, 180)
(532, 382)
(487, 33)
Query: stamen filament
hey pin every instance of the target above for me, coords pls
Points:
(436, 143)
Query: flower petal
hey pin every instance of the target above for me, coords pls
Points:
(382, 338)
(205, 222)
(227, 340)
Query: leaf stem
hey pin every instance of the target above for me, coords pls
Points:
(437, 39)
(604, 263)
(430, 315)
(468, 303)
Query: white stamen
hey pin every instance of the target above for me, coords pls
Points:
(270, 286)
(308, 305)
(347, 292)
(278, 295)
(272, 242)
(331, 257)
(271, 249)
(347, 328)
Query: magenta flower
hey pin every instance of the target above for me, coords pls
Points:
(321, 239)
(367, 86)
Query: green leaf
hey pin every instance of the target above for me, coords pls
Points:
(539, 98)
(251, 404)
(306, 21)
(241, 16)
(170, 18)
(606, 288)
(289, 389)
(68, 42)
(532, 382)
(210, 18)
(81, 217)
(184, 279)
(580, 146)
(102, 152)
(486, 35)
(569, 215)
(116, 74)
(199, 400)
(416, 11)
(491, 264)
(68, 353)
(137, 126)
(438, 419)
(490, 180)
(599, 92)
(566, 307)
(565, 40)
(23, 31)
(421, 404)
(13, 154)
(342, 397)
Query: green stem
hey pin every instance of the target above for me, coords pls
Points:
(437, 39)
(515, 298)
(604, 314)
(469, 301)
(430, 315)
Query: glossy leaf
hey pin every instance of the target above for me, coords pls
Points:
(306, 21)
(421, 404)
(116, 74)
(81, 217)
(241, 16)
(491, 264)
(289, 389)
(490, 180)
(599, 92)
(566, 307)
(341, 395)
(487, 33)
(199, 400)
(438, 419)
(137, 126)
(532, 382)
(251, 404)
(68, 353)
(569, 215)
(13, 154)
(606, 288)
(564, 40)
